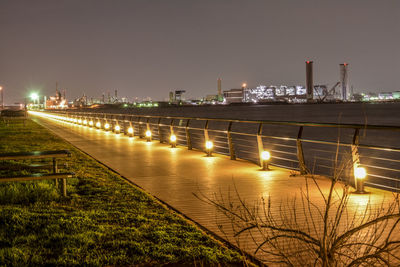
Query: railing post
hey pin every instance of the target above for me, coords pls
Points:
(300, 154)
(64, 187)
(171, 127)
(230, 143)
(131, 125)
(356, 158)
(188, 139)
(260, 144)
(148, 125)
(206, 137)
(139, 124)
(159, 130)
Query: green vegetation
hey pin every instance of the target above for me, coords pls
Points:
(103, 221)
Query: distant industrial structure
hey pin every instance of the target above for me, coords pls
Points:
(310, 93)
(344, 81)
(176, 97)
(309, 81)
(293, 93)
(219, 88)
(59, 101)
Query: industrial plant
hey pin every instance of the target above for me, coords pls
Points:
(294, 93)
(261, 94)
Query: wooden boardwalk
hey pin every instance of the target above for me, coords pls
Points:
(175, 175)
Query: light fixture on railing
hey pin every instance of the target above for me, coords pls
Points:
(117, 129)
(209, 148)
(79, 121)
(360, 174)
(106, 126)
(91, 123)
(130, 131)
(172, 140)
(85, 122)
(148, 135)
(265, 157)
(98, 124)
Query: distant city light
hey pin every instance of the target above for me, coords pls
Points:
(34, 96)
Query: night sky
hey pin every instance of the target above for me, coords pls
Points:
(148, 48)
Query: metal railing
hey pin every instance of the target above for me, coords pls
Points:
(317, 148)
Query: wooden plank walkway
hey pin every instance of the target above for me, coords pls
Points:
(173, 175)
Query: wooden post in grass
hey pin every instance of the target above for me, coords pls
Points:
(55, 170)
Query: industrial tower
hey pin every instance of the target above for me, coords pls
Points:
(344, 81)
(219, 87)
(309, 81)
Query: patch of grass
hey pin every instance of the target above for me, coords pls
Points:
(103, 221)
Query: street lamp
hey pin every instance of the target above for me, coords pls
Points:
(172, 140)
(148, 136)
(209, 147)
(360, 173)
(2, 99)
(130, 131)
(34, 97)
(265, 156)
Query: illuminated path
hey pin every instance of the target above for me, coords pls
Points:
(174, 174)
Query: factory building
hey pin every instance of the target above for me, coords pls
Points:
(270, 93)
(56, 102)
(233, 96)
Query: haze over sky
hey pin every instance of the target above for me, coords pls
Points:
(148, 48)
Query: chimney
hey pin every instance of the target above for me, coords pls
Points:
(344, 81)
(219, 87)
(309, 80)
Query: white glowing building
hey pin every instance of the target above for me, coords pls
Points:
(272, 93)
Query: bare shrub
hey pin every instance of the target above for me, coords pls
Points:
(322, 226)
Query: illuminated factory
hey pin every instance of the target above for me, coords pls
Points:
(294, 93)
(57, 102)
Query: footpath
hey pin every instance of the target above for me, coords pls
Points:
(174, 175)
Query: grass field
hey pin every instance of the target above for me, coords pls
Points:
(103, 220)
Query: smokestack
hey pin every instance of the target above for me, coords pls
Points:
(309, 80)
(344, 81)
(219, 87)
(116, 94)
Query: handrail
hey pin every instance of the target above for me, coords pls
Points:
(287, 123)
(291, 150)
